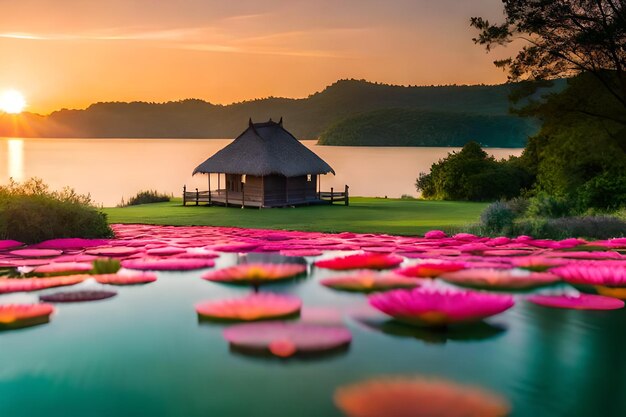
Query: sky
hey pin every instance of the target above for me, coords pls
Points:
(71, 53)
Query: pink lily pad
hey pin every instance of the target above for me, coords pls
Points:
(63, 268)
(301, 252)
(70, 243)
(10, 244)
(115, 251)
(430, 269)
(435, 234)
(36, 253)
(14, 316)
(368, 282)
(35, 284)
(255, 273)
(166, 251)
(126, 279)
(500, 279)
(172, 264)
(287, 339)
(262, 306)
(578, 302)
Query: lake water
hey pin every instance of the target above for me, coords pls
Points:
(112, 169)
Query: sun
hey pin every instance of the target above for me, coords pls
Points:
(12, 101)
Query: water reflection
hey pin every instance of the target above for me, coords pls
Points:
(15, 159)
(467, 333)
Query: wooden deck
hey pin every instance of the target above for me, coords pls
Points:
(239, 199)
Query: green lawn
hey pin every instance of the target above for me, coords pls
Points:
(364, 215)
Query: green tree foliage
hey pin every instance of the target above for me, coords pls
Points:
(30, 212)
(577, 156)
(412, 127)
(563, 38)
(472, 174)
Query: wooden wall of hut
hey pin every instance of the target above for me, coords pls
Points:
(275, 190)
(253, 189)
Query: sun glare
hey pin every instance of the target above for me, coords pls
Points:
(12, 101)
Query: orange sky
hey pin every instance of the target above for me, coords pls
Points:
(70, 53)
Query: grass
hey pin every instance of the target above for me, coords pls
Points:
(364, 215)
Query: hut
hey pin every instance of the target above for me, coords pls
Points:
(265, 166)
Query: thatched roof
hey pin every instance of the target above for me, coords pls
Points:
(265, 149)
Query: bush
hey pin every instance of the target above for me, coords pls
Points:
(604, 192)
(30, 213)
(497, 218)
(544, 205)
(146, 197)
(591, 227)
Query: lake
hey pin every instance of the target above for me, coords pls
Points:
(112, 169)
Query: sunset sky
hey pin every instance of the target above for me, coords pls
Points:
(71, 53)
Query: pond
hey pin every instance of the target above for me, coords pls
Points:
(145, 352)
(112, 169)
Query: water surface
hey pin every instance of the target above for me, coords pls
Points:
(112, 169)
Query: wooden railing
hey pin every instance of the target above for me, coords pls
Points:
(336, 196)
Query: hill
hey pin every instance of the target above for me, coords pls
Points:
(411, 127)
(307, 118)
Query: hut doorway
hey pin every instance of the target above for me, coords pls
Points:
(233, 183)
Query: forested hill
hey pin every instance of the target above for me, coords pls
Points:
(410, 127)
(306, 118)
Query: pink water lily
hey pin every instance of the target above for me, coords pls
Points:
(10, 244)
(114, 251)
(435, 234)
(166, 251)
(577, 302)
(36, 253)
(439, 307)
(126, 279)
(35, 284)
(255, 273)
(70, 243)
(262, 306)
(370, 282)
(301, 252)
(430, 269)
(287, 339)
(395, 396)
(165, 264)
(501, 279)
(13, 316)
(361, 261)
(606, 278)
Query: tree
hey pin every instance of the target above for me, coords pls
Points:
(563, 38)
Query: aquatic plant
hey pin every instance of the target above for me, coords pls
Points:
(418, 397)
(369, 282)
(255, 273)
(77, 296)
(36, 253)
(439, 306)
(65, 268)
(430, 269)
(10, 244)
(287, 339)
(500, 279)
(114, 251)
(606, 278)
(106, 266)
(361, 261)
(70, 243)
(35, 284)
(126, 279)
(14, 316)
(435, 234)
(165, 264)
(262, 306)
(577, 302)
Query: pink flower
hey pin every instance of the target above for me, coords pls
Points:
(35, 284)
(435, 234)
(262, 306)
(172, 264)
(578, 302)
(63, 267)
(361, 261)
(10, 244)
(440, 307)
(36, 253)
(597, 273)
(70, 243)
(126, 279)
(255, 273)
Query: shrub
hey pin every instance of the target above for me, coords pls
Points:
(146, 197)
(604, 192)
(518, 205)
(407, 197)
(591, 227)
(30, 213)
(544, 205)
(497, 218)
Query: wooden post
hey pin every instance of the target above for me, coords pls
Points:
(226, 181)
(347, 195)
(319, 187)
(185, 195)
(243, 194)
(218, 183)
(332, 196)
(262, 191)
(197, 196)
(209, 188)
